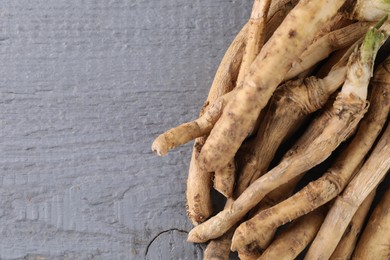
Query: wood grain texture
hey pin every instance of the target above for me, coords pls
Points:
(85, 86)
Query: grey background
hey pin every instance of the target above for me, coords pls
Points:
(85, 86)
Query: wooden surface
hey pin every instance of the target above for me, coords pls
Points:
(85, 86)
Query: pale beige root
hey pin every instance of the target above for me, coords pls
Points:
(339, 123)
(347, 243)
(327, 44)
(257, 230)
(284, 47)
(374, 243)
(289, 107)
(224, 81)
(224, 179)
(256, 34)
(346, 205)
(255, 40)
(189, 131)
(276, 14)
(199, 181)
(291, 242)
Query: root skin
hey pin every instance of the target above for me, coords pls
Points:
(199, 181)
(339, 123)
(258, 229)
(288, 108)
(287, 43)
(327, 44)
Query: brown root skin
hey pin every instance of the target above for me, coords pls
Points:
(339, 123)
(347, 243)
(287, 43)
(375, 240)
(346, 205)
(291, 242)
(224, 179)
(261, 227)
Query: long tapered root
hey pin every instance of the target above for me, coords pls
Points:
(288, 108)
(327, 44)
(199, 181)
(241, 113)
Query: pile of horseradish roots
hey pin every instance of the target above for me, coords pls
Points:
(306, 72)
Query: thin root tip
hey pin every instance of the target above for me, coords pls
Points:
(193, 237)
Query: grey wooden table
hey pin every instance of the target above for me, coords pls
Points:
(85, 85)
